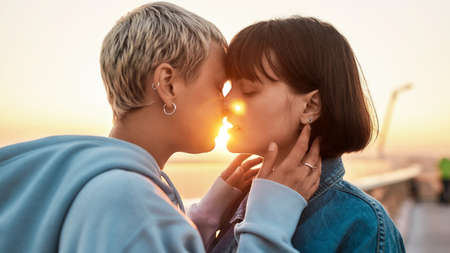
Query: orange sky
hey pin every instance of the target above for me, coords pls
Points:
(51, 84)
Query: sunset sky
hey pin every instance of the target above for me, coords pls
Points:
(51, 84)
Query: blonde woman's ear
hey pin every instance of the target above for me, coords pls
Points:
(162, 83)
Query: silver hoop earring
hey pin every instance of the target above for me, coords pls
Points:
(169, 113)
(155, 86)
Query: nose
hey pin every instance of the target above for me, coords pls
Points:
(227, 101)
(226, 110)
(232, 105)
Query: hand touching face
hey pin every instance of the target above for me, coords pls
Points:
(241, 172)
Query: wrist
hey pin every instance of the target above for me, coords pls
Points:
(273, 208)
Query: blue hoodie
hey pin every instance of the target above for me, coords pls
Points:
(97, 194)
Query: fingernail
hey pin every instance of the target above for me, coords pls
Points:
(272, 146)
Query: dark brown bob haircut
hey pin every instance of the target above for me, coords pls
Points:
(309, 54)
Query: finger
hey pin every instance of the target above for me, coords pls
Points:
(251, 163)
(316, 172)
(269, 160)
(234, 178)
(313, 155)
(246, 188)
(247, 183)
(301, 146)
(315, 186)
(311, 189)
(250, 173)
(248, 180)
(319, 168)
(233, 165)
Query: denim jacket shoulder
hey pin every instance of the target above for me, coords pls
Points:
(342, 218)
(339, 218)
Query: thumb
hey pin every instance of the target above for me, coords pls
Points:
(269, 160)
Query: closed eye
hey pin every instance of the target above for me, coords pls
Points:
(247, 90)
(248, 94)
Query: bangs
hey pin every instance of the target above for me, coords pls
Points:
(250, 54)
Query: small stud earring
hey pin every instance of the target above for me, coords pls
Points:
(309, 121)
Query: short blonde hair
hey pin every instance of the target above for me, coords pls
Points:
(152, 34)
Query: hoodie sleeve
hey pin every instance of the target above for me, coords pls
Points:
(122, 211)
(271, 217)
(208, 213)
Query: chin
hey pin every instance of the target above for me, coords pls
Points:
(235, 147)
(201, 147)
(249, 147)
(210, 147)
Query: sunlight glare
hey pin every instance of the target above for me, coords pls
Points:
(238, 107)
(223, 137)
(226, 88)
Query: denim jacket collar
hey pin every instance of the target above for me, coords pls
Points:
(332, 172)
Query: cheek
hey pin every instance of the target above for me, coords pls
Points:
(206, 113)
(275, 125)
(199, 122)
(261, 124)
(269, 116)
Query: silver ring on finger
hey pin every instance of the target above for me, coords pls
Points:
(309, 165)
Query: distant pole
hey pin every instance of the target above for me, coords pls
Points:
(388, 117)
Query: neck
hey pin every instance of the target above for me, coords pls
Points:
(283, 152)
(150, 135)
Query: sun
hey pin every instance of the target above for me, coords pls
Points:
(223, 136)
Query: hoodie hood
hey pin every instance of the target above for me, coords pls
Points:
(40, 179)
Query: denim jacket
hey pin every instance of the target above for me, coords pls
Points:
(339, 218)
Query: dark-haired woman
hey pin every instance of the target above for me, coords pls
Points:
(294, 72)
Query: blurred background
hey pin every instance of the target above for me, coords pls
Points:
(51, 84)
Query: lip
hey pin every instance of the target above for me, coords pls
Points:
(234, 124)
(235, 128)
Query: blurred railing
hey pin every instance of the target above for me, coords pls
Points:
(396, 190)
(396, 176)
(377, 185)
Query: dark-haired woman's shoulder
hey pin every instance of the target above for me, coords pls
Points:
(345, 219)
(367, 210)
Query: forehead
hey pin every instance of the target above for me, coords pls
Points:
(214, 64)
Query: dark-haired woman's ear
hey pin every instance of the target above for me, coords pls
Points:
(312, 107)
